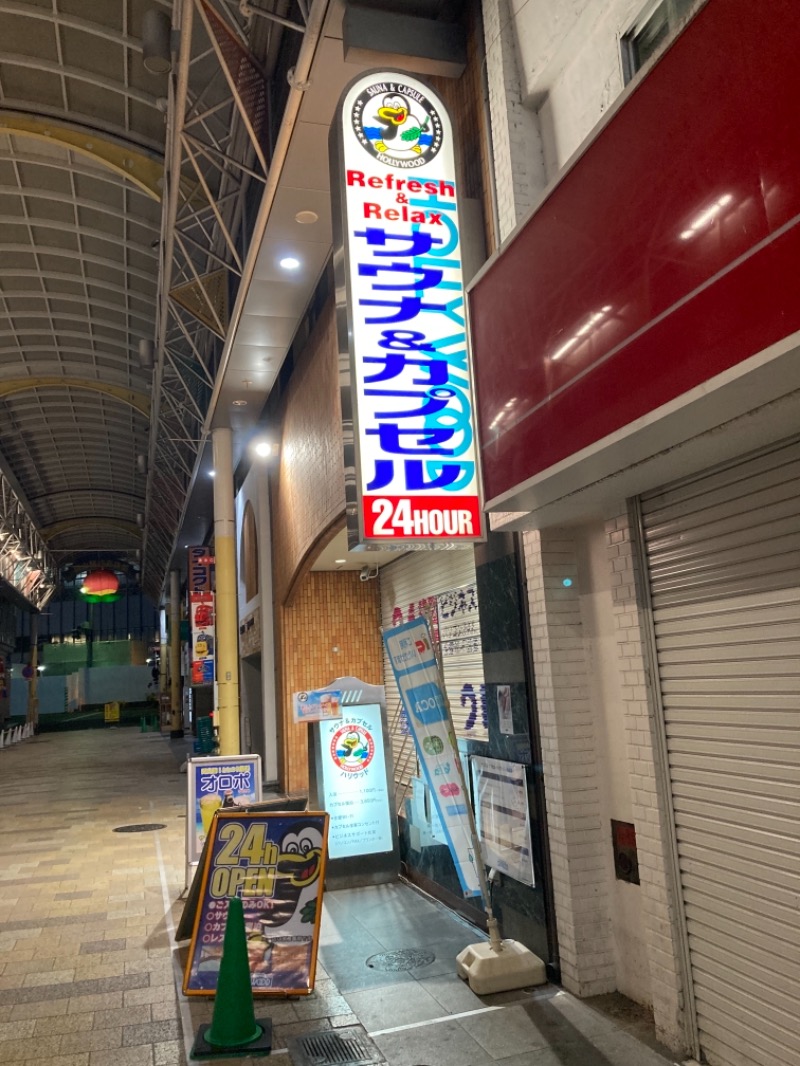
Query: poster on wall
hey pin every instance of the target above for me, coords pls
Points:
(504, 714)
(410, 651)
(354, 782)
(501, 813)
(417, 477)
(217, 782)
(275, 863)
(316, 706)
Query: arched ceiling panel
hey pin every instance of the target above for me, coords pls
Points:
(79, 243)
(89, 253)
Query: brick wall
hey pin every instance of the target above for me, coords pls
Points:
(464, 99)
(516, 139)
(577, 841)
(330, 610)
(650, 813)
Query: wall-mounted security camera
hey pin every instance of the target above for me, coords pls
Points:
(367, 573)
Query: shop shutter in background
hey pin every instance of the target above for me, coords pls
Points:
(723, 559)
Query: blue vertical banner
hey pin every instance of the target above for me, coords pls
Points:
(416, 671)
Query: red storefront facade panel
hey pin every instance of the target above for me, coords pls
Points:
(668, 254)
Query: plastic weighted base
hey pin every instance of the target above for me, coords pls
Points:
(489, 971)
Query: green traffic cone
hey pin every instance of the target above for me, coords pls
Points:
(234, 1030)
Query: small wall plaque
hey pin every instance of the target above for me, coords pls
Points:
(626, 858)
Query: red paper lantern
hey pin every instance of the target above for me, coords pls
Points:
(100, 586)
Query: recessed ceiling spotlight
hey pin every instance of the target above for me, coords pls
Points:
(305, 218)
(263, 448)
(212, 473)
(290, 263)
(240, 403)
(340, 562)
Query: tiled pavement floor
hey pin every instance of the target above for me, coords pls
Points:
(89, 972)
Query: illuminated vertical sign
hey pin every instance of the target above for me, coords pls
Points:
(402, 310)
(201, 616)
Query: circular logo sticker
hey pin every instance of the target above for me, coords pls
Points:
(433, 745)
(397, 124)
(352, 748)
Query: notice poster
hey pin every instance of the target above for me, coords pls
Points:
(218, 782)
(275, 863)
(356, 791)
(504, 829)
(504, 715)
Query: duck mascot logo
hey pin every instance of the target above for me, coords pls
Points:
(352, 748)
(397, 124)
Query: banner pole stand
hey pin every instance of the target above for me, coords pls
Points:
(496, 965)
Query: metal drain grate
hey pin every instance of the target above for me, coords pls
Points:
(404, 959)
(147, 827)
(346, 1046)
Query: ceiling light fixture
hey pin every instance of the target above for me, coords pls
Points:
(265, 448)
(290, 263)
(240, 403)
(146, 353)
(157, 41)
(305, 218)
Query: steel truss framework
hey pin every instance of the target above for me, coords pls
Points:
(26, 563)
(217, 138)
(122, 223)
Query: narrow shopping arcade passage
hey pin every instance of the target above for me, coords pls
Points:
(89, 971)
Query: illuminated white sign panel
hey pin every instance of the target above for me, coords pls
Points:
(416, 457)
(354, 783)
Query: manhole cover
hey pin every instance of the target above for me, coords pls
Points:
(148, 827)
(405, 959)
(346, 1046)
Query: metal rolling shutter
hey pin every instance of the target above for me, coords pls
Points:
(405, 585)
(723, 555)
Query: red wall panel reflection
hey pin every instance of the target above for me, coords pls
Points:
(669, 253)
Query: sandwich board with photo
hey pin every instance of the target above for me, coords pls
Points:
(216, 782)
(275, 863)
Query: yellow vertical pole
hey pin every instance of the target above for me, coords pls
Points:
(176, 713)
(227, 621)
(32, 712)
